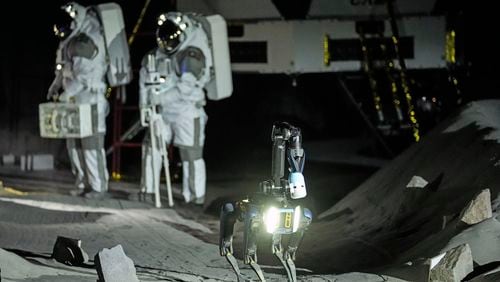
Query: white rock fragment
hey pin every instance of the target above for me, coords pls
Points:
(453, 266)
(478, 209)
(113, 265)
(417, 182)
(435, 260)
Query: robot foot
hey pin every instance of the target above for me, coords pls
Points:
(288, 264)
(234, 264)
(291, 270)
(256, 268)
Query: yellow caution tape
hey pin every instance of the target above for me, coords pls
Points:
(14, 191)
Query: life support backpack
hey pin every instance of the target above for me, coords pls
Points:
(117, 52)
(220, 85)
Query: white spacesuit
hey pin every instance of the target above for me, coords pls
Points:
(182, 60)
(81, 76)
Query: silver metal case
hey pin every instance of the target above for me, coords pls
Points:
(65, 120)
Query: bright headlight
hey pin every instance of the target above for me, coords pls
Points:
(296, 218)
(271, 219)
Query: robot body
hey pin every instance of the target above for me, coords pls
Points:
(272, 210)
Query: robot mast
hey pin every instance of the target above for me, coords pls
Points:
(287, 140)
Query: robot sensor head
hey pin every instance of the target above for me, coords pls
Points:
(297, 185)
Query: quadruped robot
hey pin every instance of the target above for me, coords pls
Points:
(272, 208)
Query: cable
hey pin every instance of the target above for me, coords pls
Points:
(377, 101)
(402, 69)
(139, 22)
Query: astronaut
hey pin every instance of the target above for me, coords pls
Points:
(182, 60)
(80, 78)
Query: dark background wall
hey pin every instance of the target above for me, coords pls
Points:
(316, 102)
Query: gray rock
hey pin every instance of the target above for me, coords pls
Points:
(478, 209)
(495, 204)
(483, 239)
(417, 182)
(69, 251)
(454, 266)
(113, 265)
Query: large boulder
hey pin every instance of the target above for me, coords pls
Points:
(478, 209)
(113, 265)
(453, 266)
(483, 239)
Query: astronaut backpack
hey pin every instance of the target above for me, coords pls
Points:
(117, 53)
(221, 84)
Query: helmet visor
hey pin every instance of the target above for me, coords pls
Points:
(169, 36)
(62, 24)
